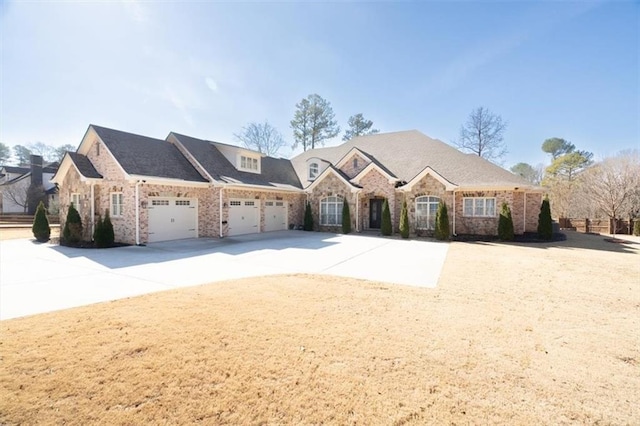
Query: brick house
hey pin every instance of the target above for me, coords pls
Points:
(184, 187)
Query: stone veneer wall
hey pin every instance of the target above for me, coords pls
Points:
(427, 186)
(295, 204)
(534, 201)
(351, 171)
(331, 186)
(70, 185)
(376, 185)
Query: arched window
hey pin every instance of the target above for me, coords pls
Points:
(331, 211)
(426, 208)
(313, 171)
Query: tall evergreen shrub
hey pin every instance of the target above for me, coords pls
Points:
(404, 220)
(103, 234)
(545, 225)
(386, 227)
(346, 218)
(308, 218)
(72, 232)
(442, 222)
(40, 228)
(505, 223)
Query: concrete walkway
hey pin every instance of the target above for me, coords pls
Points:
(36, 278)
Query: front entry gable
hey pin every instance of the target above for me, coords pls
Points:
(353, 162)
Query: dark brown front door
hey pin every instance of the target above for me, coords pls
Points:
(375, 213)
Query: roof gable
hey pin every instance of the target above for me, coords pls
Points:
(145, 156)
(80, 163)
(331, 170)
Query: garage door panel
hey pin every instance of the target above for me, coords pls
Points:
(172, 218)
(275, 216)
(244, 217)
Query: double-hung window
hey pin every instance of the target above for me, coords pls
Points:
(331, 211)
(479, 207)
(116, 204)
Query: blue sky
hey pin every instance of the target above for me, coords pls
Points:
(565, 69)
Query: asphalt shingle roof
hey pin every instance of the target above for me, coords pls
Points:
(141, 155)
(273, 170)
(84, 165)
(405, 154)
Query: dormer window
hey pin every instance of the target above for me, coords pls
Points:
(249, 164)
(313, 171)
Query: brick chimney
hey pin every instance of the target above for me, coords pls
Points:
(36, 181)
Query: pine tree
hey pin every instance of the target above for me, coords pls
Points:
(40, 228)
(346, 218)
(72, 232)
(442, 222)
(505, 223)
(545, 225)
(404, 220)
(386, 228)
(308, 218)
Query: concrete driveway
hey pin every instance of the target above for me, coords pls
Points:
(36, 278)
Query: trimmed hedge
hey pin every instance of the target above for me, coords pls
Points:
(404, 220)
(505, 223)
(346, 218)
(40, 228)
(72, 232)
(386, 228)
(442, 232)
(308, 218)
(545, 224)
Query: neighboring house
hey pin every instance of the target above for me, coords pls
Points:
(15, 183)
(183, 187)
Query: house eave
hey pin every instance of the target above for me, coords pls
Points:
(155, 180)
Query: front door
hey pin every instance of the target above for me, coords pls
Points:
(375, 213)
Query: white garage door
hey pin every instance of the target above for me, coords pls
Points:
(244, 217)
(172, 218)
(275, 216)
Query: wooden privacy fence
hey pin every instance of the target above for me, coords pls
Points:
(597, 226)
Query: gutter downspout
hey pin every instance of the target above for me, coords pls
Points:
(220, 214)
(454, 213)
(524, 219)
(93, 211)
(138, 183)
(357, 211)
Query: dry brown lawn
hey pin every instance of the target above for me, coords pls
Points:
(17, 233)
(514, 334)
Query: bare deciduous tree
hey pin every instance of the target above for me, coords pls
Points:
(262, 137)
(483, 135)
(613, 183)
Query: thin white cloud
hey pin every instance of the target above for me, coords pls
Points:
(136, 11)
(211, 84)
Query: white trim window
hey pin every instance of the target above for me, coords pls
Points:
(479, 206)
(426, 209)
(116, 203)
(331, 211)
(249, 163)
(313, 171)
(75, 200)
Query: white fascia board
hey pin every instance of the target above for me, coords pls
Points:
(324, 174)
(246, 186)
(348, 155)
(429, 171)
(155, 180)
(370, 167)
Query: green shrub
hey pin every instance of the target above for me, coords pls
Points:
(98, 233)
(505, 223)
(107, 229)
(40, 228)
(385, 227)
(103, 234)
(308, 218)
(346, 218)
(72, 232)
(636, 227)
(545, 224)
(404, 220)
(442, 222)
